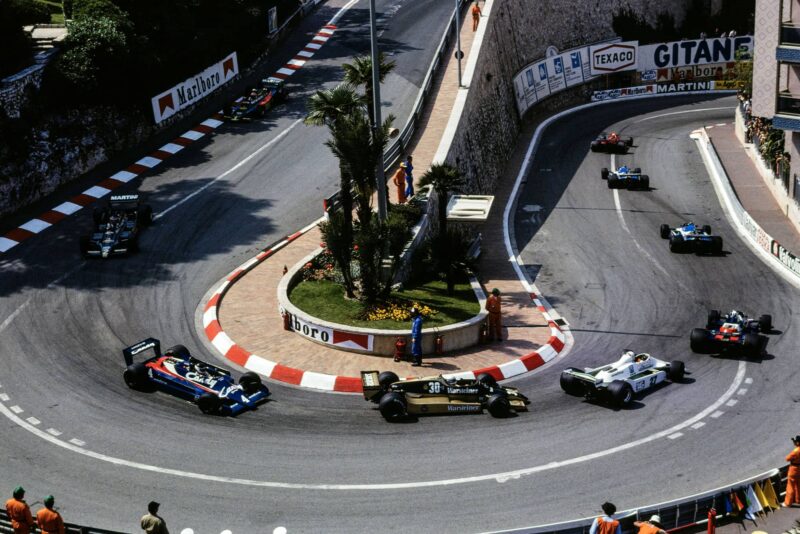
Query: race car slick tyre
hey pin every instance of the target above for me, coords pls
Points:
(752, 344)
(637, 170)
(145, 215)
(498, 406)
(179, 351)
(698, 340)
(486, 379)
(664, 230)
(620, 393)
(593, 147)
(209, 403)
(612, 183)
(713, 318)
(250, 382)
(676, 371)
(98, 215)
(716, 245)
(571, 385)
(604, 173)
(135, 376)
(387, 378)
(765, 323)
(84, 246)
(392, 406)
(645, 182)
(676, 244)
(629, 141)
(133, 245)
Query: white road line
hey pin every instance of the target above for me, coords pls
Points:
(717, 414)
(53, 431)
(721, 124)
(738, 379)
(731, 402)
(32, 420)
(229, 171)
(748, 380)
(16, 409)
(742, 391)
(4, 397)
(676, 435)
(699, 424)
(76, 441)
(684, 111)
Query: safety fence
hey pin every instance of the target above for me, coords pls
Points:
(747, 498)
(5, 527)
(394, 151)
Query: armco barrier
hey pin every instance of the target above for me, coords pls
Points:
(675, 515)
(767, 247)
(5, 527)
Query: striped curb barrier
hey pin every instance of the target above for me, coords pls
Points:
(103, 188)
(344, 384)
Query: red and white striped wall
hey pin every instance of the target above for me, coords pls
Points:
(103, 188)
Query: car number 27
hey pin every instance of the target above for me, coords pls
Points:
(646, 383)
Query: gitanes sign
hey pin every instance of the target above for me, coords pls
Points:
(195, 88)
(696, 52)
(613, 57)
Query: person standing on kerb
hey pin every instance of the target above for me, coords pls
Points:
(416, 337)
(409, 167)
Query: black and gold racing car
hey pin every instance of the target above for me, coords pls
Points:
(397, 398)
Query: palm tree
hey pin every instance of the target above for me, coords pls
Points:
(359, 73)
(443, 178)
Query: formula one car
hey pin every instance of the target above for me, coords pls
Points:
(691, 238)
(623, 178)
(733, 331)
(177, 372)
(439, 395)
(611, 143)
(117, 227)
(617, 383)
(269, 93)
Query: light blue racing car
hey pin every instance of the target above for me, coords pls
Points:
(624, 178)
(691, 238)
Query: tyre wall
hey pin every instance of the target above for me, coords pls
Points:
(518, 33)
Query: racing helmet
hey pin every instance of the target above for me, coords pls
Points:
(623, 169)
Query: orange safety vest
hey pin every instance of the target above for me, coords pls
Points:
(648, 528)
(20, 515)
(794, 462)
(606, 527)
(476, 12)
(50, 521)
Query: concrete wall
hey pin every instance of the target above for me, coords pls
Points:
(519, 32)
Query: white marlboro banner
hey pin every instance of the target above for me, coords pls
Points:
(195, 88)
(694, 52)
(329, 336)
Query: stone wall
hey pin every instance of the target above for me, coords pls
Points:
(519, 32)
(14, 89)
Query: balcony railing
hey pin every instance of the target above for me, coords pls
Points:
(788, 103)
(790, 33)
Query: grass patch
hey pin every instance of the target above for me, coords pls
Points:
(325, 300)
(56, 11)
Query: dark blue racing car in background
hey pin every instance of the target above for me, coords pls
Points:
(624, 178)
(691, 238)
(177, 372)
(269, 93)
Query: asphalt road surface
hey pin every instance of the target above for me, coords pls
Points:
(315, 462)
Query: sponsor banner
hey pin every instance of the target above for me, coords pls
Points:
(330, 336)
(574, 64)
(716, 71)
(684, 87)
(555, 74)
(722, 85)
(613, 57)
(649, 76)
(694, 52)
(788, 259)
(540, 77)
(613, 94)
(195, 88)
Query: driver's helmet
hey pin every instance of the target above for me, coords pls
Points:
(640, 358)
(690, 226)
(613, 136)
(201, 369)
(451, 380)
(623, 169)
(627, 356)
(735, 315)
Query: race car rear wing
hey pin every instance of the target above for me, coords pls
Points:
(370, 384)
(133, 350)
(123, 201)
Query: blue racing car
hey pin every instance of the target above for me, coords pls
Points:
(624, 178)
(177, 372)
(269, 93)
(692, 238)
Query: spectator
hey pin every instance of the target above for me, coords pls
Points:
(723, 35)
(494, 307)
(416, 337)
(702, 35)
(793, 476)
(399, 180)
(652, 526)
(409, 167)
(152, 523)
(50, 521)
(732, 33)
(606, 524)
(19, 512)
(476, 16)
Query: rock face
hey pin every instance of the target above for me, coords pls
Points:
(518, 33)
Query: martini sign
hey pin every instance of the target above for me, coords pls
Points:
(613, 57)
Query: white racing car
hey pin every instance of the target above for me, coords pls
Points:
(617, 382)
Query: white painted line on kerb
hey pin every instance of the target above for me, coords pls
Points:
(742, 391)
(149, 162)
(676, 435)
(229, 171)
(731, 402)
(68, 208)
(305, 53)
(7, 244)
(170, 148)
(35, 225)
(507, 475)
(53, 432)
(193, 135)
(16, 409)
(284, 70)
(699, 424)
(76, 441)
(211, 123)
(717, 414)
(315, 46)
(126, 176)
(4, 397)
(748, 380)
(33, 421)
(298, 62)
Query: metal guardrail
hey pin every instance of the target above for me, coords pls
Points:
(395, 151)
(5, 527)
